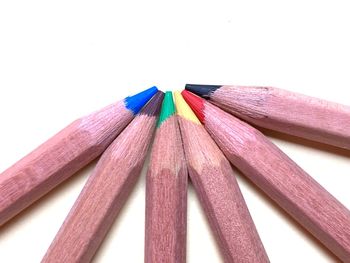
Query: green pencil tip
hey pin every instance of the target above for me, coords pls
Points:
(168, 108)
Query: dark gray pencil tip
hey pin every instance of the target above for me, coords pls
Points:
(202, 90)
(152, 108)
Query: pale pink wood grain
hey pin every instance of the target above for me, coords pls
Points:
(166, 197)
(220, 197)
(103, 195)
(288, 112)
(59, 158)
(282, 180)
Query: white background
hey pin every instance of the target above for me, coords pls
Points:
(60, 60)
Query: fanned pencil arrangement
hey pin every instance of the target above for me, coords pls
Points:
(278, 176)
(195, 138)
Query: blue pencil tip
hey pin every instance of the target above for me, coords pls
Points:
(136, 102)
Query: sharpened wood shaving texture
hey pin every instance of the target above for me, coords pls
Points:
(166, 197)
(220, 196)
(59, 157)
(283, 180)
(288, 112)
(243, 101)
(103, 195)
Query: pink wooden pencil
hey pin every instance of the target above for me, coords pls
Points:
(106, 190)
(218, 191)
(64, 154)
(283, 111)
(278, 176)
(166, 192)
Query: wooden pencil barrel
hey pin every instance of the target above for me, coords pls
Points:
(288, 112)
(218, 191)
(166, 197)
(282, 179)
(106, 191)
(59, 158)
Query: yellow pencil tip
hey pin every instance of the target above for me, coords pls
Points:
(182, 108)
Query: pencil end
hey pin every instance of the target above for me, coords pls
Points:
(152, 108)
(168, 108)
(137, 101)
(183, 109)
(203, 91)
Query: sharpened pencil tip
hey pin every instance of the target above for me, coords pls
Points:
(182, 108)
(152, 108)
(202, 90)
(168, 108)
(196, 103)
(137, 101)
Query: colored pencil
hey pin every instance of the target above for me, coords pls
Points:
(284, 111)
(278, 176)
(166, 192)
(64, 154)
(218, 191)
(106, 190)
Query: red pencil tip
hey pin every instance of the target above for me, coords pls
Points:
(196, 103)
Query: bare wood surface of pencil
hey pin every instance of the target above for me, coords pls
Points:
(287, 112)
(105, 191)
(219, 193)
(166, 197)
(64, 154)
(280, 178)
(59, 157)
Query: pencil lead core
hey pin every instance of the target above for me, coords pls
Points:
(196, 103)
(152, 108)
(137, 101)
(168, 108)
(202, 90)
(182, 108)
